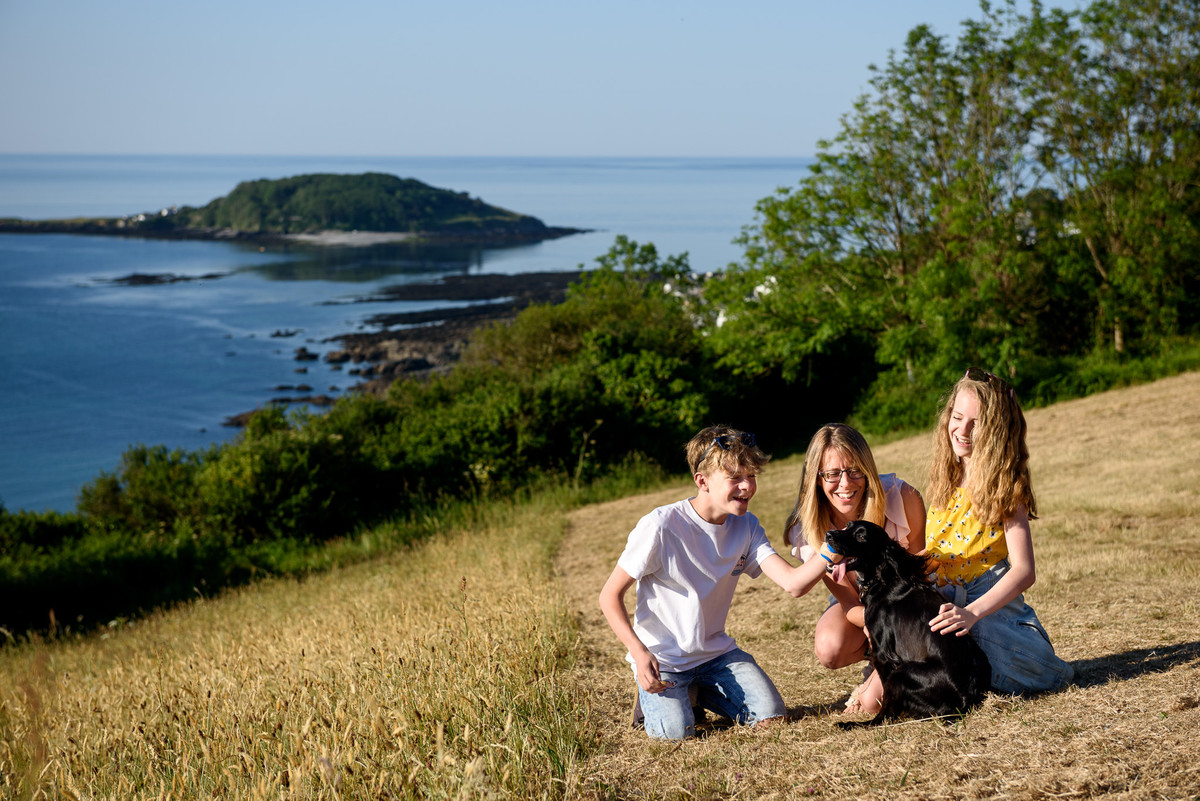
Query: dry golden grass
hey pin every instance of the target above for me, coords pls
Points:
(432, 674)
(1118, 483)
(476, 666)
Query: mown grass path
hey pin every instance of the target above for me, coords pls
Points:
(1117, 478)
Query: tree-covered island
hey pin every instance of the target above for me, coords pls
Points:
(321, 202)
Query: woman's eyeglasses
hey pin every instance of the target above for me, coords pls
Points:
(835, 476)
(725, 441)
(984, 377)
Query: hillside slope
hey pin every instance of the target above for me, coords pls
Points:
(472, 665)
(1117, 477)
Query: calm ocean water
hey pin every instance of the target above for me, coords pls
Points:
(88, 368)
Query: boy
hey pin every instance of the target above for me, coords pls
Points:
(686, 559)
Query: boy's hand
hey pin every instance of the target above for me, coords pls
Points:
(835, 565)
(647, 674)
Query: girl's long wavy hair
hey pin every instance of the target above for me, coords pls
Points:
(812, 510)
(999, 481)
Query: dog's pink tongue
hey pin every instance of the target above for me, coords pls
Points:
(839, 571)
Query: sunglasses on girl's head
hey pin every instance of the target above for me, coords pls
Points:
(984, 377)
(724, 441)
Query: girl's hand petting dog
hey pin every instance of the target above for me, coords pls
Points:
(953, 618)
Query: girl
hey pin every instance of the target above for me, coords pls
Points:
(840, 483)
(981, 502)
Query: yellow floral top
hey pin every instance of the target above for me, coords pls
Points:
(963, 547)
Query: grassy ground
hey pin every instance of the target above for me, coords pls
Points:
(479, 666)
(1118, 555)
(431, 674)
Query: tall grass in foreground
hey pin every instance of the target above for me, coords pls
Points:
(432, 673)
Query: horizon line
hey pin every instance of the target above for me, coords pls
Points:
(80, 154)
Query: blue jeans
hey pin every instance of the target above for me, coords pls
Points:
(732, 685)
(1018, 648)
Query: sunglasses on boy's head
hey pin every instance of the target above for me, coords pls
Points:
(984, 377)
(724, 441)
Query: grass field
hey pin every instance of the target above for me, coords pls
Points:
(479, 666)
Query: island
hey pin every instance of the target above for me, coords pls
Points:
(333, 210)
(321, 208)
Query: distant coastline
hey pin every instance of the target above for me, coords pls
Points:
(121, 226)
(416, 345)
(176, 384)
(323, 209)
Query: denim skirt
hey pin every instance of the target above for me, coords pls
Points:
(1018, 648)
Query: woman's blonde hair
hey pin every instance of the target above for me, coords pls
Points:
(999, 481)
(812, 510)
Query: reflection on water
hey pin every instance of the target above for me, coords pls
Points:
(376, 262)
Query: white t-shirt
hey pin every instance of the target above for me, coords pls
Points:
(686, 570)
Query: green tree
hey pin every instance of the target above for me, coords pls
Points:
(907, 231)
(628, 337)
(1116, 91)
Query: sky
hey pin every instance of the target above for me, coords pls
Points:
(444, 77)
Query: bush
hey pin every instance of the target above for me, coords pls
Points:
(36, 531)
(151, 489)
(106, 574)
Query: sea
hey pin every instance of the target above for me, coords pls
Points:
(91, 365)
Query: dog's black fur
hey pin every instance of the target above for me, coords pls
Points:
(924, 673)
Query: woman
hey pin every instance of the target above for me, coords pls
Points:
(840, 483)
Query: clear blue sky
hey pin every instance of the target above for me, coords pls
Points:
(444, 77)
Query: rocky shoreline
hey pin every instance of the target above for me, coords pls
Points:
(415, 345)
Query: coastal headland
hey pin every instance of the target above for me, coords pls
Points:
(416, 345)
(320, 209)
(130, 227)
(355, 211)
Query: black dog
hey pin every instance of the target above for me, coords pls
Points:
(924, 673)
